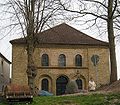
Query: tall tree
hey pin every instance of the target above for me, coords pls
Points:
(30, 16)
(107, 11)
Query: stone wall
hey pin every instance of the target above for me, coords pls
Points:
(70, 71)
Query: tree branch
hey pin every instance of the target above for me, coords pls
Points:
(114, 8)
(98, 2)
(83, 12)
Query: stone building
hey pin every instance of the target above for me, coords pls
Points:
(62, 54)
(4, 71)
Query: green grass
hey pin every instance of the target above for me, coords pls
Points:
(94, 99)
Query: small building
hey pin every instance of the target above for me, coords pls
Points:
(62, 54)
(4, 71)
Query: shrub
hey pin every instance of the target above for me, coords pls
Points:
(71, 87)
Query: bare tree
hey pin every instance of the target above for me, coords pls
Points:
(30, 16)
(107, 11)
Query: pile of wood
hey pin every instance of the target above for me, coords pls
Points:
(18, 93)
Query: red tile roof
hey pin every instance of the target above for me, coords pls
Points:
(63, 34)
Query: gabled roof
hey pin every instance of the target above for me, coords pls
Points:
(63, 34)
(3, 57)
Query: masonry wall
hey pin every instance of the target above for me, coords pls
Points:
(4, 72)
(53, 71)
(100, 72)
(19, 65)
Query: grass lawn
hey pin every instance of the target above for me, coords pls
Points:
(94, 99)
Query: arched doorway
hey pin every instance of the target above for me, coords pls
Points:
(79, 83)
(61, 83)
(45, 85)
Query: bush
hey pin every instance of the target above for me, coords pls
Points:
(71, 87)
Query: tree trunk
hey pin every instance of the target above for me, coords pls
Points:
(111, 38)
(31, 68)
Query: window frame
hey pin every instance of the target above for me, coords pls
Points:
(62, 60)
(78, 60)
(45, 60)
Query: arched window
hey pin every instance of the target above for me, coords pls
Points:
(78, 60)
(45, 60)
(45, 85)
(62, 60)
(79, 83)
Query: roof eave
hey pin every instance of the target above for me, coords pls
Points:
(2, 56)
(84, 44)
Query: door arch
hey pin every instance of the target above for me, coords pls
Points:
(61, 83)
(79, 83)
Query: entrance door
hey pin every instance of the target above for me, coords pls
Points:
(61, 83)
(79, 83)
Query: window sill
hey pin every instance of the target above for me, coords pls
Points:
(54, 67)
